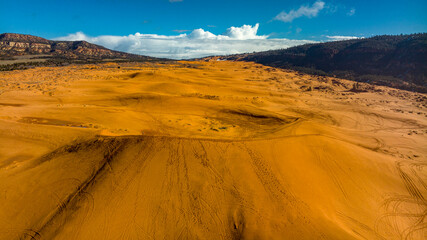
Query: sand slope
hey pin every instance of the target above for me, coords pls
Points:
(218, 150)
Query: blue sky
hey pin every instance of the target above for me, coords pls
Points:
(295, 20)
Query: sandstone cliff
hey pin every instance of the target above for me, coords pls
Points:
(12, 44)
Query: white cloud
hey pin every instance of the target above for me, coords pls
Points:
(201, 34)
(198, 43)
(303, 11)
(351, 12)
(339, 38)
(244, 32)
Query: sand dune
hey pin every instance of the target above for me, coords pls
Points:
(208, 150)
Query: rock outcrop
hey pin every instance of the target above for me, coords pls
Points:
(12, 44)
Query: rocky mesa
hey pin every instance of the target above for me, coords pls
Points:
(12, 44)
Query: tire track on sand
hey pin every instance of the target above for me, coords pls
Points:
(113, 148)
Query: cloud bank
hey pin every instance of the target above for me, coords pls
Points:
(303, 11)
(340, 38)
(198, 43)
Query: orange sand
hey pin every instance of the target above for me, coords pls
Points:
(208, 150)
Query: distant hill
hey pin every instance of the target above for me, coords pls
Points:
(12, 45)
(396, 61)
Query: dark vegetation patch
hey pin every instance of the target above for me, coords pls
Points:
(60, 62)
(202, 96)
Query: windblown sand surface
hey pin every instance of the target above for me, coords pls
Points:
(208, 150)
